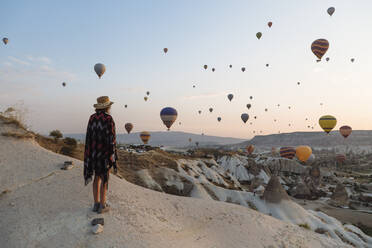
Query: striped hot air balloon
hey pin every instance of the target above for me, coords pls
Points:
(145, 137)
(327, 123)
(319, 47)
(340, 158)
(250, 149)
(128, 127)
(168, 115)
(287, 152)
(345, 131)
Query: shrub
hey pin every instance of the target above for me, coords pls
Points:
(56, 134)
(306, 226)
(71, 142)
(67, 150)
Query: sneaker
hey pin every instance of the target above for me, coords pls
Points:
(103, 208)
(96, 207)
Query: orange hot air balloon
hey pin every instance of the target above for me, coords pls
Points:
(250, 149)
(345, 131)
(303, 153)
(128, 127)
(145, 137)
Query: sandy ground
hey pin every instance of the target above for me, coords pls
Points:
(47, 207)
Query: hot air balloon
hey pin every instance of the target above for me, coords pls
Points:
(199, 111)
(311, 159)
(230, 97)
(250, 149)
(278, 105)
(340, 158)
(244, 117)
(243, 69)
(352, 60)
(205, 67)
(190, 140)
(125, 106)
(251, 97)
(64, 84)
(259, 35)
(5, 40)
(210, 110)
(230, 66)
(249, 105)
(331, 10)
(287, 152)
(269, 24)
(168, 115)
(327, 123)
(267, 65)
(145, 98)
(165, 50)
(298, 83)
(145, 137)
(327, 59)
(128, 127)
(197, 143)
(179, 123)
(303, 153)
(193, 86)
(265, 109)
(345, 131)
(213, 69)
(218, 119)
(99, 69)
(148, 93)
(320, 47)
(255, 117)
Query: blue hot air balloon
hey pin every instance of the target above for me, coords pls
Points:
(168, 115)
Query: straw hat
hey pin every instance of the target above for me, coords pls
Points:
(103, 102)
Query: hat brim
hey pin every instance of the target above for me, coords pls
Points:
(103, 106)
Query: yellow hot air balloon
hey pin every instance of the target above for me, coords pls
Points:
(145, 98)
(145, 137)
(303, 153)
(327, 123)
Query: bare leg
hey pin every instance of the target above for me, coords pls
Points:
(103, 193)
(96, 186)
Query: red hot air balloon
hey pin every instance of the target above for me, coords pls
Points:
(269, 24)
(345, 131)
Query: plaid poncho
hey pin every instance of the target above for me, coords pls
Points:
(100, 146)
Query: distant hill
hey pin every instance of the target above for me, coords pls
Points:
(358, 138)
(172, 139)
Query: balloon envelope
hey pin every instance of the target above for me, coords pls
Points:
(249, 105)
(345, 131)
(327, 123)
(145, 98)
(250, 149)
(269, 24)
(259, 35)
(218, 119)
(331, 10)
(145, 137)
(244, 117)
(99, 69)
(287, 152)
(165, 50)
(213, 69)
(205, 67)
(128, 127)
(211, 110)
(5, 40)
(63, 84)
(168, 115)
(303, 153)
(230, 97)
(243, 69)
(319, 47)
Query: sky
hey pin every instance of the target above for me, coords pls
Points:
(51, 42)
